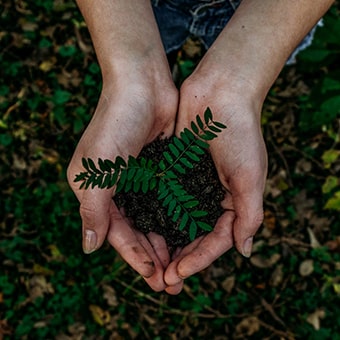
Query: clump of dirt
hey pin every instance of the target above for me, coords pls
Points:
(149, 215)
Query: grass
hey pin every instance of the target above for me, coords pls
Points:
(290, 287)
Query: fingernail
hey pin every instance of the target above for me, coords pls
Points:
(247, 247)
(90, 241)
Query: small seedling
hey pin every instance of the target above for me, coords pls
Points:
(143, 175)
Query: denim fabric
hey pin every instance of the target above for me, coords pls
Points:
(204, 19)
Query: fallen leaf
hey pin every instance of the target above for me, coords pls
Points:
(38, 269)
(100, 316)
(306, 267)
(229, 283)
(331, 183)
(277, 276)
(333, 245)
(269, 220)
(330, 156)
(336, 287)
(314, 318)
(248, 326)
(263, 262)
(334, 202)
(47, 65)
(38, 286)
(313, 240)
(110, 295)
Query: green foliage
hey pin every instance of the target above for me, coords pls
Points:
(143, 175)
(48, 287)
(322, 105)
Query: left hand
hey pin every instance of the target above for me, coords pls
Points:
(240, 158)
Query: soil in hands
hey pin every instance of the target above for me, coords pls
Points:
(147, 212)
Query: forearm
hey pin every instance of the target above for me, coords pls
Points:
(124, 32)
(259, 38)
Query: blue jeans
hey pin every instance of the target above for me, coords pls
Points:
(204, 19)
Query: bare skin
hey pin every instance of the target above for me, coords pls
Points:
(140, 102)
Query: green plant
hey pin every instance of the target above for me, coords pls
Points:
(140, 174)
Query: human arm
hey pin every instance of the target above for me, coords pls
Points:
(138, 103)
(233, 79)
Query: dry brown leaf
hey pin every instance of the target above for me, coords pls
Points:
(100, 316)
(110, 295)
(262, 262)
(47, 65)
(334, 245)
(269, 220)
(313, 240)
(248, 326)
(306, 267)
(38, 286)
(149, 319)
(277, 276)
(315, 318)
(229, 283)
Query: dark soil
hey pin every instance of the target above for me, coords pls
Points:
(149, 215)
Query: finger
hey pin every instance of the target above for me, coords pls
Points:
(249, 217)
(160, 248)
(156, 280)
(212, 246)
(171, 276)
(176, 289)
(95, 215)
(127, 244)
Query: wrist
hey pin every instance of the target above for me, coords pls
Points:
(225, 92)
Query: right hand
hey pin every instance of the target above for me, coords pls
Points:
(131, 112)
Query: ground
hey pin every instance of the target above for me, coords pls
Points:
(289, 288)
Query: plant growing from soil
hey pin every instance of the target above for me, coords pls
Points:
(143, 175)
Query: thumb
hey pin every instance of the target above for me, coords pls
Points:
(249, 217)
(94, 212)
